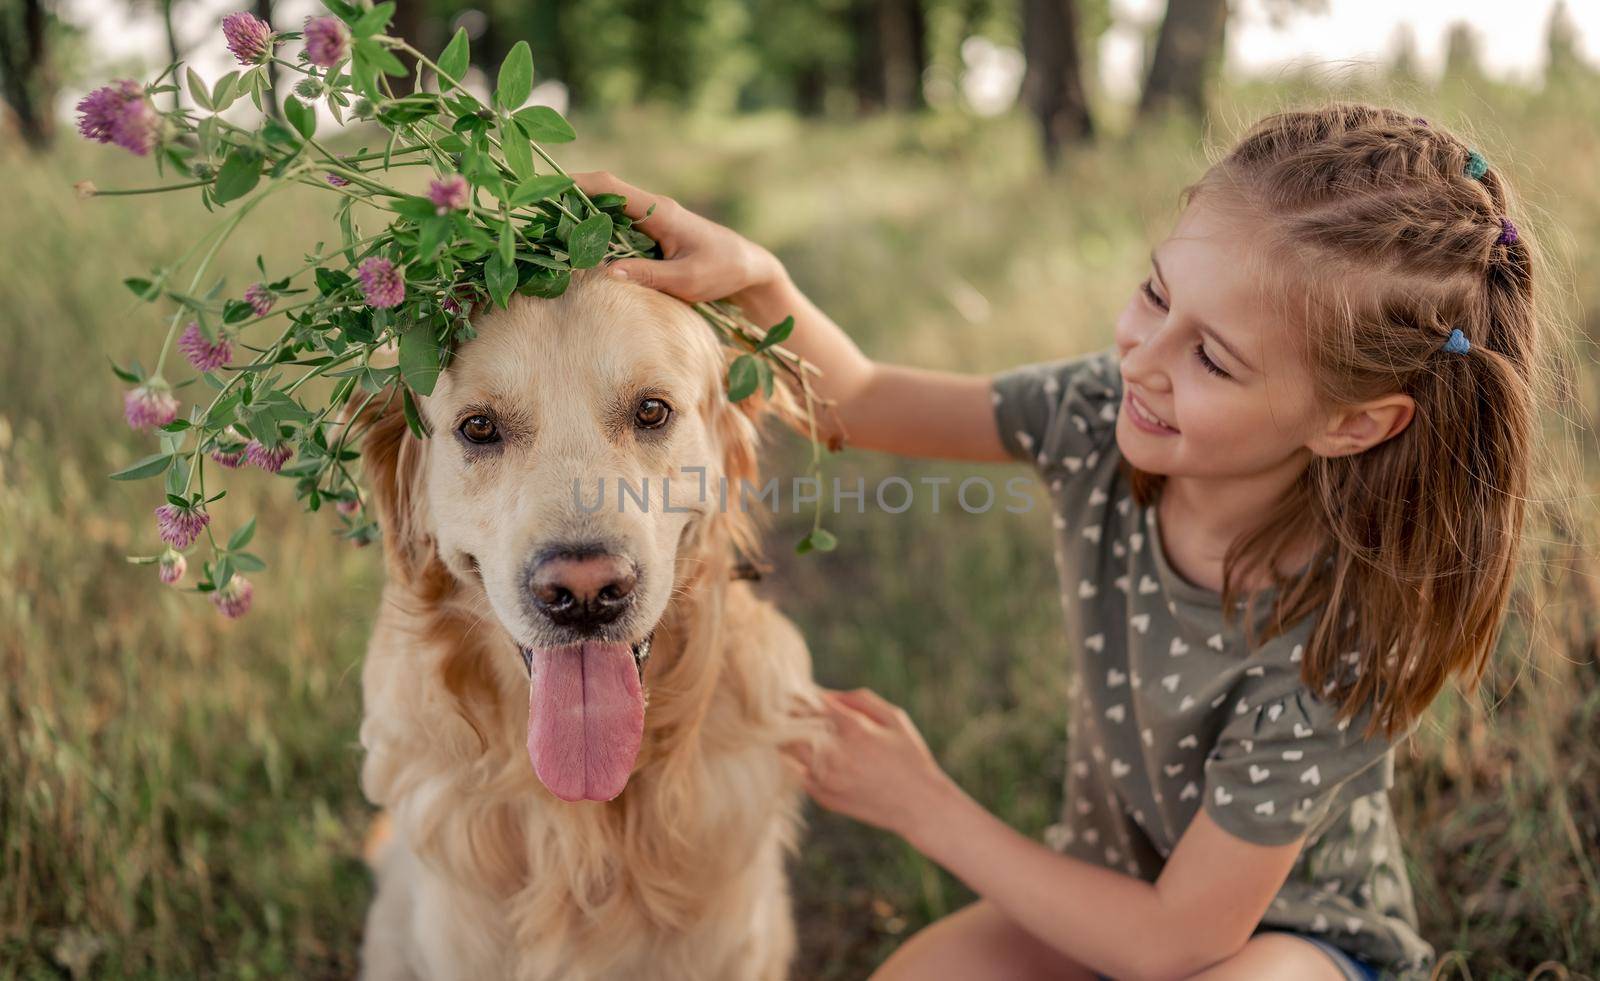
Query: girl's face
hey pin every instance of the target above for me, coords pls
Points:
(1203, 352)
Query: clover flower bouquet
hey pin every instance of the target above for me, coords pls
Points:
(500, 217)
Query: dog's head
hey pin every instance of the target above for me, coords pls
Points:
(572, 482)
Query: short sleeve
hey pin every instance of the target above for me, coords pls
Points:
(1055, 415)
(1280, 765)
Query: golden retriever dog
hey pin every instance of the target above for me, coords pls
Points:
(573, 703)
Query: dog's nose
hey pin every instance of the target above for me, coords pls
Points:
(584, 590)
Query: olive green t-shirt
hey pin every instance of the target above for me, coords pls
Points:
(1170, 713)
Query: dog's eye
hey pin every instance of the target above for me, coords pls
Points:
(652, 414)
(480, 429)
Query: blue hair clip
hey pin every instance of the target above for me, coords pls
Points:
(1458, 343)
(1476, 165)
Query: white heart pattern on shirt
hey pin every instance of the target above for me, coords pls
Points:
(1223, 797)
(1121, 582)
(1178, 647)
(1172, 769)
(1024, 440)
(1086, 589)
(1092, 532)
(1191, 741)
(1295, 655)
(1214, 642)
(1072, 463)
(1118, 549)
(1190, 790)
(1242, 707)
(1312, 776)
(1115, 678)
(1259, 773)
(1059, 522)
(1095, 642)
(1186, 705)
(1135, 540)
(1148, 586)
(1265, 807)
(1170, 682)
(1274, 710)
(1117, 713)
(1293, 755)
(1301, 731)
(1141, 622)
(1120, 769)
(1097, 497)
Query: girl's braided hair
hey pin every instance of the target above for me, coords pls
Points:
(1379, 234)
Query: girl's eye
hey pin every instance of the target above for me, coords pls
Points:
(480, 430)
(652, 414)
(1211, 366)
(1150, 294)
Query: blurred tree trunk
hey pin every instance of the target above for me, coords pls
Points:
(264, 11)
(891, 54)
(173, 54)
(407, 23)
(1052, 86)
(1188, 49)
(26, 81)
(811, 90)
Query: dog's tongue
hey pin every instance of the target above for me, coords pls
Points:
(585, 719)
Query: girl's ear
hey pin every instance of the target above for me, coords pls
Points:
(394, 464)
(1365, 426)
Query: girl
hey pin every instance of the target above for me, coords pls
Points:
(1287, 505)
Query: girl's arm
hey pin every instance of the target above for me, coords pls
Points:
(902, 410)
(1207, 901)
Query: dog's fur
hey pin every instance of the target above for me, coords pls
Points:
(484, 873)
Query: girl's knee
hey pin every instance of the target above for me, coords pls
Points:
(978, 942)
(1274, 955)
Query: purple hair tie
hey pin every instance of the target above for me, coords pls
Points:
(1508, 233)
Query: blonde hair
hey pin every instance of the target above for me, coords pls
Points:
(1381, 236)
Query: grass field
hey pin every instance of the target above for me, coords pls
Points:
(178, 793)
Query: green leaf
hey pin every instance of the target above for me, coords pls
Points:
(508, 245)
(820, 539)
(242, 537)
(419, 359)
(586, 246)
(249, 562)
(455, 59)
(373, 21)
(239, 173)
(743, 377)
(515, 83)
(235, 311)
(519, 154)
(224, 571)
(501, 278)
(416, 208)
(777, 334)
(197, 89)
(144, 289)
(544, 125)
(413, 417)
(375, 57)
(132, 377)
(547, 284)
(536, 189)
(150, 466)
(301, 116)
(764, 368)
(225, 91)
(430, 235)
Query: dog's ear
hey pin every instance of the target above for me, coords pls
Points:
(393, 461)
(737, 427)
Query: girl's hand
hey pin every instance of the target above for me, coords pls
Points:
(876, 768)
(703, 260)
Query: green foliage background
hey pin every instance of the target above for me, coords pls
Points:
(178, 794)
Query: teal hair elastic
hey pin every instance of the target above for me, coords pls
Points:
(1476, 165)
(1458, 343)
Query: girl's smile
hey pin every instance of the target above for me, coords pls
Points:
(1145, 419)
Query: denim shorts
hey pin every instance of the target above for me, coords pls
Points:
(1352, 967)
